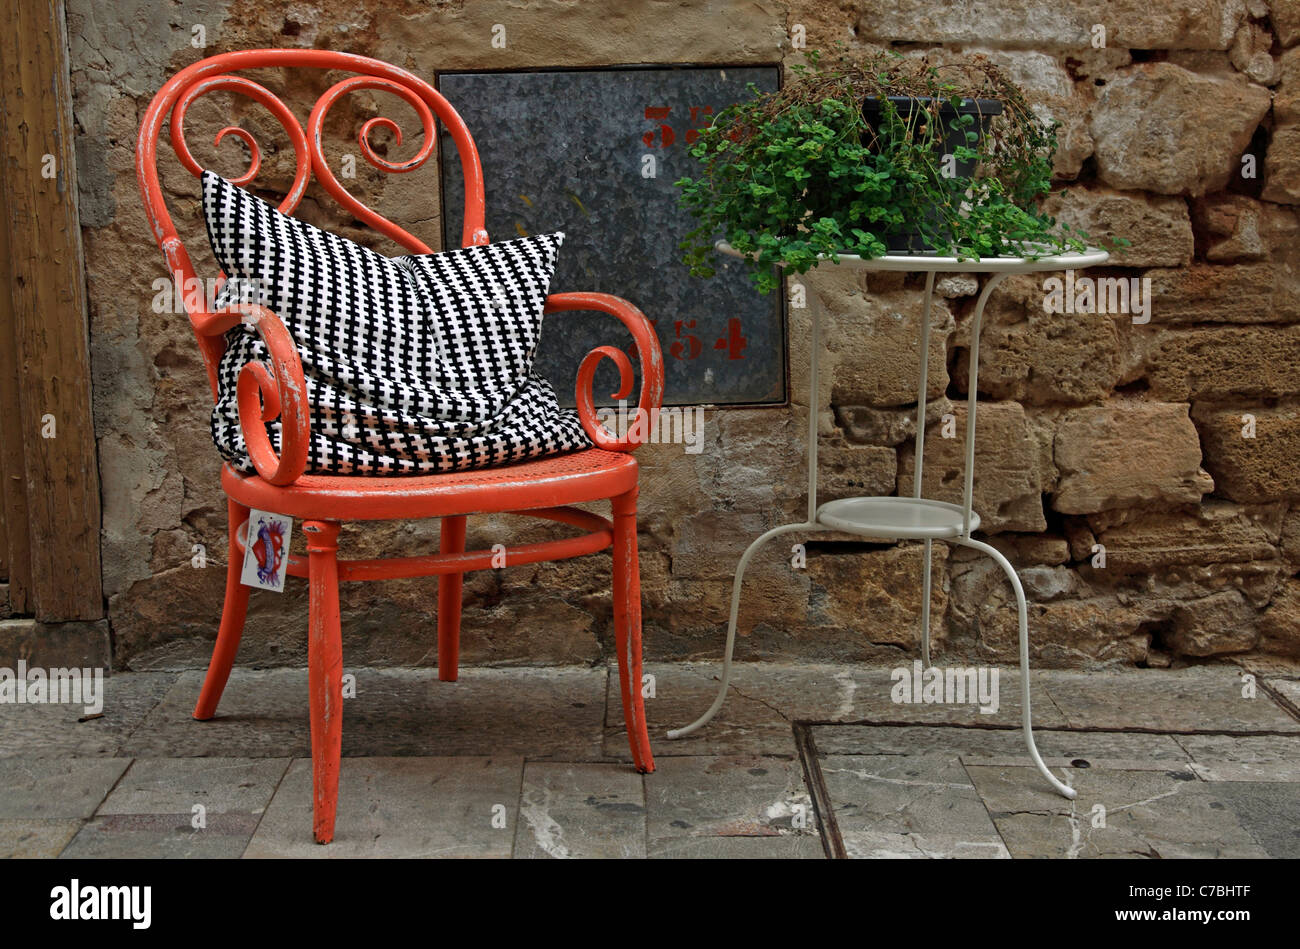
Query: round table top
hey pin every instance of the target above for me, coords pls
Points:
(1092, 257)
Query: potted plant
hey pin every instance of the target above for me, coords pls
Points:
(882, 154)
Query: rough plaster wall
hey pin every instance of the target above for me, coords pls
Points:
(1095, 431)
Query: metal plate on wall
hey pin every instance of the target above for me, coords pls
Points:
(594, 153)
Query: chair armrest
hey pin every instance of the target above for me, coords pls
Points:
(649, 355)
(263, 393)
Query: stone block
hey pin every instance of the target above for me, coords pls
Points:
(1282, 166)
(1158, 226)
(1147, 120)
(1131, 24)
(1127, 453)
(878, 351)
(1030, 355)
(1008, 478)
(878, 593)
(1224, 363)
(1262, 467)
(1214, 625)
(848, 470)
(1246, 293)
(1279, 626)
(54, 645)
(1217, 532)
(1229, 227)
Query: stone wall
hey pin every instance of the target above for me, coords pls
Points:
(1181, 134)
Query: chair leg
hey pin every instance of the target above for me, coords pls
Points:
(627, 628)
(233, 613)
(449, 601)
(324, 674)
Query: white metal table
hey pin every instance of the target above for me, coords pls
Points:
(914, 518)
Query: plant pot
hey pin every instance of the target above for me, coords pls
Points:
(953, 137)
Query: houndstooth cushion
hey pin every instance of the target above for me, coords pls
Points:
(414, 365)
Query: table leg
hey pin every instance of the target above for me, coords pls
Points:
(814, 316)
(731, 625)
(966, 540)
(972, 397)
(925, 605)
(919, 462)
(1023, 617)
(814, 398)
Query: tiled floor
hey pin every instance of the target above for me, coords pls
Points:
(804, 761)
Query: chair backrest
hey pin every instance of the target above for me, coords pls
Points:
(216, 73)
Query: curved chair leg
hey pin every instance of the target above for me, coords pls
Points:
(452, 541)
(1023, 610)
(731, 624)
(324, 673)
(627, 628)
(233, 613)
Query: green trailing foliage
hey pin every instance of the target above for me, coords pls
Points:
(799, 174)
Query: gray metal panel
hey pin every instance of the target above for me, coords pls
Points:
(564, 150)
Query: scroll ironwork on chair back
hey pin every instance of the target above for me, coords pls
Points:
(218, 73)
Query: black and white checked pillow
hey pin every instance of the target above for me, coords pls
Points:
(414, 365)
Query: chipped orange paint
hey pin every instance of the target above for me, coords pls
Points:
(545, 488)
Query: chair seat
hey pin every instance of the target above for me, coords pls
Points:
(570, 478)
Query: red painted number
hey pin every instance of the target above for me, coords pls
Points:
(698, 112)
(685, 347)
(734, 343)
(665, 132)
(701, 117)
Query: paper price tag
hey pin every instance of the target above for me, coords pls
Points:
(266, 551)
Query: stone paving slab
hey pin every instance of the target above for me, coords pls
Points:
(876, 845)
(263, 714)
(1289, 689)
(176, 785)
(35, 839)
(1268, 811)
(151, 811)
(1147, 814)
(725, 796)
(399, 807)
(1059, 765)
(738, 848)
(396, 712)
(766, 698)
(839, 693)
(1248, 758)
(1201, 698)
(539, 713)
(581, 811)
(167, 836)
(51, 789)
(744, 725)
(53, 731)
(973, 744)
(908, 806)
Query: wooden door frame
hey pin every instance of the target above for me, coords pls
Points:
(49, 475)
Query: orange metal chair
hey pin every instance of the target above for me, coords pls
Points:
(545, 488)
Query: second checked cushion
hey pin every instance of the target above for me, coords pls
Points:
(414, 365)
